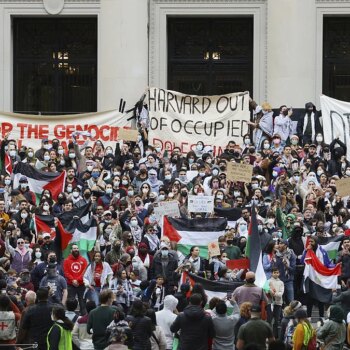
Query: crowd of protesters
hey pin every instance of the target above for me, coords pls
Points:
(127, 294)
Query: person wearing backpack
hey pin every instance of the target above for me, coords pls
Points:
(9, 317)
(333, 332)
(304, 336)
(59, 336)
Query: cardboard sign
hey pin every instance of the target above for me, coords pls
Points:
(200, 204)
(128, 134)
(343, 187)
(170, 208)
(213, 249)
(239, 172)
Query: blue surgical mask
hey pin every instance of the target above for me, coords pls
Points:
(95, 174)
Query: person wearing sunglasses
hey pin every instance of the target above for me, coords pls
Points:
(21, 256)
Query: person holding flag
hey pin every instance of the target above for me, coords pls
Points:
(320, 276)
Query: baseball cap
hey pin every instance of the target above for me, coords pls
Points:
(46, 234)
(256, 308)
(23, 179)
(106, 212)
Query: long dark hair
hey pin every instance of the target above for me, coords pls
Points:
(60, 314)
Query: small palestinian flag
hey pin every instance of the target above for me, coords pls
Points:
(194, 232)
(38, 181)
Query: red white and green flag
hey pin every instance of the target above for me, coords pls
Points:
(38, 180)
(194, 232)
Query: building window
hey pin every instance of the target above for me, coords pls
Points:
(336, 57)
(55, 65)
(209, 56)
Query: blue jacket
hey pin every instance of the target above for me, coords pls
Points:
(286, 273)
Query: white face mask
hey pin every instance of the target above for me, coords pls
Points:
(167, 177)
(296, 178)
(109, 190)
(219, 196)
(319, 138)
(30, 154)
(62, 162)
(215, 172)
(38, 255)
(75, 194)
(270, 221)
(199, 147)
(133, 223)
(69, 189)
(294, 142)
(71, 155)
(266, 145)
(109, 151)
(161, 197)
(47, 146)
(125, 182)
(274, 173)
(254, 186)
(89, 168)
(60, 151)
(46, 207)
(13, 153)
(108, 230)
(24, 185)
(209, 160)
(7, 182)
(319, 172)
(246, 141)
(158, 149)
(236, 193)
(46, 158)
(116, 183)
(24, 215)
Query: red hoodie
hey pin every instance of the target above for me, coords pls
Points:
(74, 269)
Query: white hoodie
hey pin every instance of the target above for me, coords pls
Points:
(166, 317)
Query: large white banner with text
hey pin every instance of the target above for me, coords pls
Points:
(336, 121)
(179, 120)
(29, 130)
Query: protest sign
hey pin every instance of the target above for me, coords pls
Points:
(128, 135)
(239, 172)
(200, 204)
(191, 174)
(179, 120)
(213, 249)
(30, 130)
(170, 208)
(336, 121)
(343, 187)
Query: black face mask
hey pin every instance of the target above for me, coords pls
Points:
(229, 241)
(152, 200)
(87, 195)
(61, 200)
(138, 203)
(184, 194)
(143, 171)
(52, 259)
(285, 112)
(174, 160)
(223, 168)
(117, 247)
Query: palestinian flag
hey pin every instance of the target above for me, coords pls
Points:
(194, 232)
(319, 280)
(212, 289)
(46, 223)
(38, 180)
(254, 252)
(8, 164)
(83, 234)
(83, 213)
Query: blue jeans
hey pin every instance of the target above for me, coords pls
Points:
(288, 292)
(93, 295)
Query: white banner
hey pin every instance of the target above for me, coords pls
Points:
(29, 130)
(336, 121)
(179, 120)
(200, 204)
(170, 208)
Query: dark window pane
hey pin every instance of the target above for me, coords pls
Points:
(55, 65)
(336, 57)
(208, 56)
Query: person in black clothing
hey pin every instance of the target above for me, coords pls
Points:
(165, 264)
(181, 297)
(195, 325)
(344, 259)
(338, 151)
(141, 326)
(37, 321)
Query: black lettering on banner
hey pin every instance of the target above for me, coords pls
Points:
(185, 127)
(163, 124)
(195, 101)
(218, 126)
(179, 124)
(150, 99)
(235, 126)
(205, 128)
(161, 99)
(219, 101)
(187, 102)
(235, 107)
(195, 128)
(179, 108)
(206, 100)
(170, 97)
(154, 123)
(342, 121)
